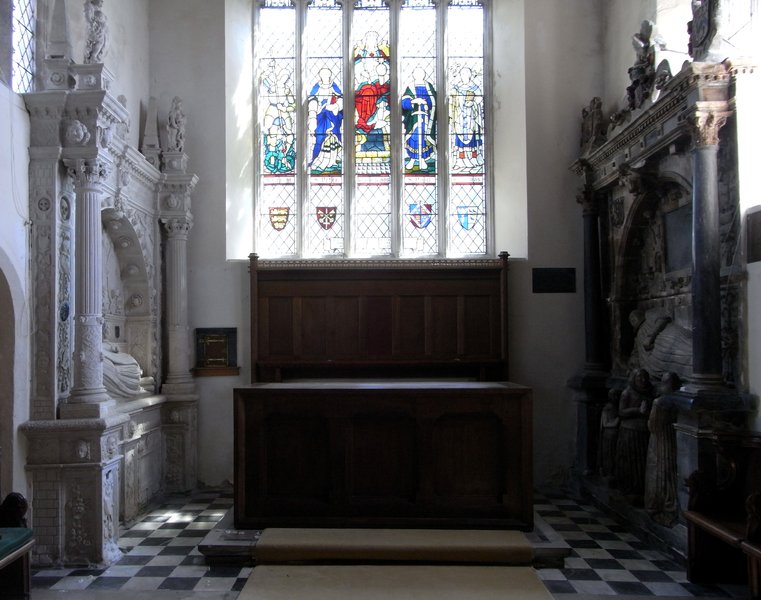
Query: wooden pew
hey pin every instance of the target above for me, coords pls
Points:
(724, 516)
(16, 543)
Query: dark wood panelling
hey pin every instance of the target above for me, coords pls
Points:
(297, 470)
(280, 327)
(314, 342)
(379, 322)
(390, 454)
(394, 469)
(444, 326)
(379, 328)
(412, 326)
(467, 456)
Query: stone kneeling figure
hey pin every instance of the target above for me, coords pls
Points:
(122, 376)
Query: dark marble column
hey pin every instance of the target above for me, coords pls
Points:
(706, 252)
(594, 306)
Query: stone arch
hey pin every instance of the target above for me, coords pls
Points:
(644, 278)
(12, 390)
(127, 308)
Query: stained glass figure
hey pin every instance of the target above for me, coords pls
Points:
(371, 100)
(278, 209)
(372, 126)
(467, 195)
(277, 126)
(467, 123)
(325, 120)
(419, 110)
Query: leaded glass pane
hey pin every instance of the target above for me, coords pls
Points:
(417, 44)
(325, 217)
(278, 207)
(466, 121)
(372, 124)
(23, 46)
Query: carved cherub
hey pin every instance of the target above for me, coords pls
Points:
(96, 45)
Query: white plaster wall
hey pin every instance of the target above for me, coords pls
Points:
(547, 330)
(14, 243)
(188, 60)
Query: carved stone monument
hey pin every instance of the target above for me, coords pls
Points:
(103, 443)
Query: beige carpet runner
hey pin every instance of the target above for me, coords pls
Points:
(280, 545)
(395, 582)
(509, 575)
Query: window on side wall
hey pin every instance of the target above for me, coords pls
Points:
(372, 129)
(23, 46)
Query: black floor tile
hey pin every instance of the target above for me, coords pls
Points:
(159, 571)
(559, 587)
(108, 583)
(630, 587)
(239, 583)
(179, 583)
(651, 576)
(604, 563)
(176, 550)
(132, 560)
(44, 582)
(581, 574)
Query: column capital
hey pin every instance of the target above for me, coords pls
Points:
(87, 172)
(589, 200)
(706, 120)
(179, 226)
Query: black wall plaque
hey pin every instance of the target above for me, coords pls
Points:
(554, 281)
(754, 237)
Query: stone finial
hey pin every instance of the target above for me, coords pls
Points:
(96, 45)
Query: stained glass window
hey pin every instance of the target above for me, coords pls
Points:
(23, 46)
(373, 136)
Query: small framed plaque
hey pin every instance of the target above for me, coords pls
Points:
(216, 352)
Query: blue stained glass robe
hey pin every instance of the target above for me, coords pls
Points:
(419, 121)
(327, 122)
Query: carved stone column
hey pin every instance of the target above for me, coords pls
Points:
(88, 395)
(179, 379)
(179, 414)
(707, 120)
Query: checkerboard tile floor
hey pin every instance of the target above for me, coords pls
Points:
(161, 554)
(608, 560)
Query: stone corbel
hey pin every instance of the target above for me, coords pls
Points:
(637, 179)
